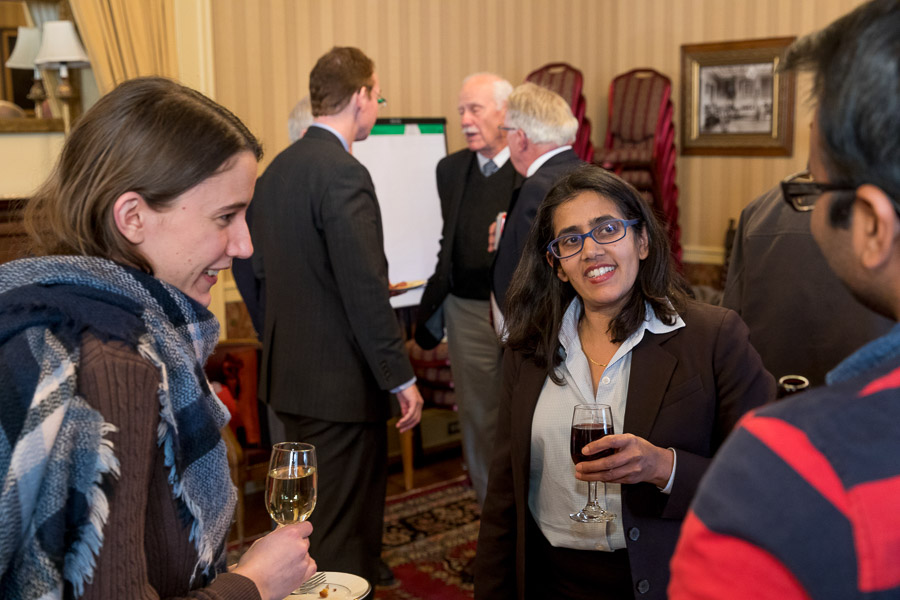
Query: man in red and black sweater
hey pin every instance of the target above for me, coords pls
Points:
(801, 501)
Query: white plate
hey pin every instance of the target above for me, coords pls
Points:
(341, 586)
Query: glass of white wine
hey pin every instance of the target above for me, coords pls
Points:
(292, 482)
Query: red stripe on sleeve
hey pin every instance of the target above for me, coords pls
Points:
(708, 565)
(888, 382)
(793, 447)
(876, 533)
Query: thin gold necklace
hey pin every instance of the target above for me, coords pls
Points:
(593, 362)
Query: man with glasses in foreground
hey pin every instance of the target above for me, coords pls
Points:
(333, 351)
(540, 129)
(801, 502)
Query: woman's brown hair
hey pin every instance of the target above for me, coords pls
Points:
(149, 135)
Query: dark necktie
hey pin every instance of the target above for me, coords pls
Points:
(489, 168)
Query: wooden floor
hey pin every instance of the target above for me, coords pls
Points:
(432, 468)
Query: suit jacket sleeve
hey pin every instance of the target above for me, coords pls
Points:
(733, 295)
(257, 263)
(351, 222)
(249, 284)
(530, 198)
(445, 187)
(430, 317)
(742, 384)
(444, 173)
(495, 565)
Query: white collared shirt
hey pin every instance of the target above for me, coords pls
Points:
(540, 160)
(499, 160)
(553, 491)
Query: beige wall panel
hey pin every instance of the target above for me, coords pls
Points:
(12, 14)
(264, 51)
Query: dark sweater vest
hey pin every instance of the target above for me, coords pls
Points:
(483, 198)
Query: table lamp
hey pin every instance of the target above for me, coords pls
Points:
(61, 49)
(28, 41)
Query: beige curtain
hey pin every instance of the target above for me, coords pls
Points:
(127, 38)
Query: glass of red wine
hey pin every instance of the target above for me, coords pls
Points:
(591, 422)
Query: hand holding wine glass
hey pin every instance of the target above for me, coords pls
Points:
(591, 422)
(279, 562)
(636, 461)
(291, 482)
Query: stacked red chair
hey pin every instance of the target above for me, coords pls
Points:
(640, 143)
(567, 81)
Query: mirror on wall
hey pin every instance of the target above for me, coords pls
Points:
(24, 105)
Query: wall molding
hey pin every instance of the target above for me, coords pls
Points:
(706, 255)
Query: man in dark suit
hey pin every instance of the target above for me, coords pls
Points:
(333, 350)
(540, 129)
(474, 185)
(800, 500)
(774, 253)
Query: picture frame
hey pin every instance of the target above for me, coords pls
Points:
(734, 102)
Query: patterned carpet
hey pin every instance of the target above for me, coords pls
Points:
(429, 540)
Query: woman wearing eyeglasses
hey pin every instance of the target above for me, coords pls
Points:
(597, 313)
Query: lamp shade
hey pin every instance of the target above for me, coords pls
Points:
(28, 41)
(61, 46)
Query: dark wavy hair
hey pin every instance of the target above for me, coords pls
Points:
(149, 135)
(856, 66)
(538, 299)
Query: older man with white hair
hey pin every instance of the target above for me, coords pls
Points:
(540, 129)
(474, 184)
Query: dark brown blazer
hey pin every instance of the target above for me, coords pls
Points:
(686, 391)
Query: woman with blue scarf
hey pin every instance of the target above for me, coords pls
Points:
(115, 481)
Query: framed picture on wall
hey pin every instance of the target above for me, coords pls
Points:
(734, 101)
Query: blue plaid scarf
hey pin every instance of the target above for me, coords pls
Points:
(56, 462)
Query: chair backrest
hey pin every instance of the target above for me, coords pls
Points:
(567, 81)
(638, 103)
(562, 78)
(583, 146)
(235, 365)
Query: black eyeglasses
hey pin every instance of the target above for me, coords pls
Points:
(606, 232)
(505, 128)
(801, 192)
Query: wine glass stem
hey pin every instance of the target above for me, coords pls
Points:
(592, 495)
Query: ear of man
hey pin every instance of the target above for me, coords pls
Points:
(129, 213)
(521, 142)
(360, 97)
(875, 228)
